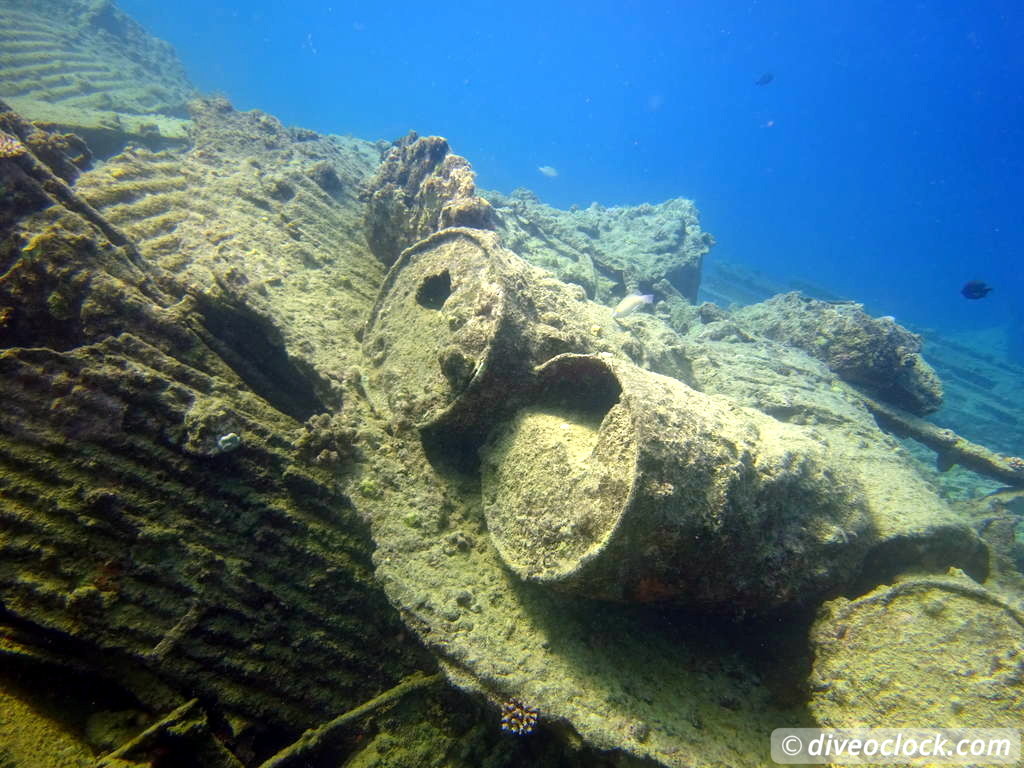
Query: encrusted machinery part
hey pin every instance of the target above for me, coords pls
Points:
(658, 684)
(443, 330)
(950, 448)
(460, 322)
(618, 483)
(187, 729)
(922, 652)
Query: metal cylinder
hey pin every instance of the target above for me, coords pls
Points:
(443, 327)
(618, 483)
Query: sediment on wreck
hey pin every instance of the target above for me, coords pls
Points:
(225, 498)
(617, 483)
(157, 511)
(876, 354)
(89, 68)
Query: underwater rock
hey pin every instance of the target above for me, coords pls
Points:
(612, 251)
(874, 353)
(618, 483)
(931, 652)
(420, 187)
(22, 194)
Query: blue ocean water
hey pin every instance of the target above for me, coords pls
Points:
(883, 161)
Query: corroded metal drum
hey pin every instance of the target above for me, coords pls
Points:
(618, 483)
(928, 649)
(444, 325)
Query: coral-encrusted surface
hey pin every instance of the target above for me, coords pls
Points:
(867, 649)
(170, 525)
(609, 251)
(129, 525)
(420, 187)
(85, 65)
(88, 54)
(645, 490)
(267, 222)
(249, 379)
(874, 353)
(615, 674)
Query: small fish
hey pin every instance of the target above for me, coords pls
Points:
(631, 304)
(764, 79)
(548, 171)
(975, 289)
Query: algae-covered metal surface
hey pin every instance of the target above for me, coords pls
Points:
(311, 453)
(653, 500)
(865, 647)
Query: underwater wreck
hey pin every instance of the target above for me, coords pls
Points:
(311, 451)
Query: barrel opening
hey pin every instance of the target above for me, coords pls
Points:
(579, 383)
(434, 291)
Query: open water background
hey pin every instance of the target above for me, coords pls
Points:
(884, 161)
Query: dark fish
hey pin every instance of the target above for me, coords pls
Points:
(975, 289)
(764, 79)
